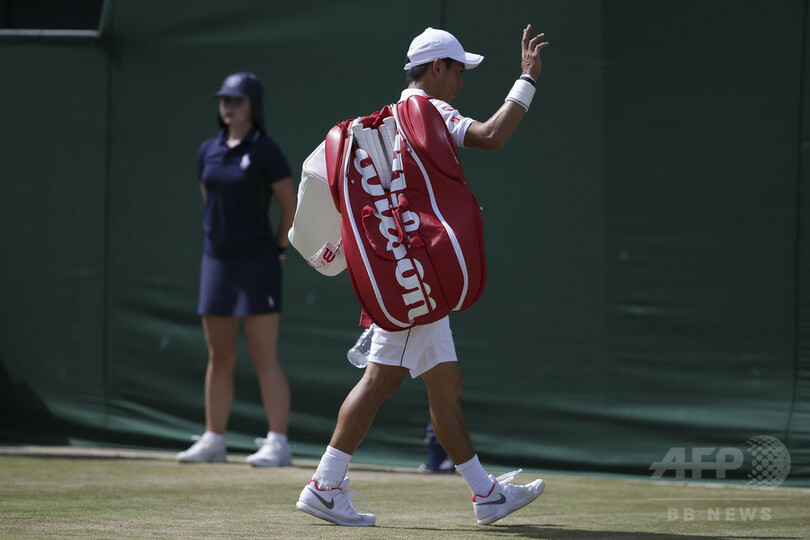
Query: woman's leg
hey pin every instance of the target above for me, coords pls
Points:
(261, 332)
(221, 337)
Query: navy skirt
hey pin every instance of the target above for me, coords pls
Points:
(243, 286)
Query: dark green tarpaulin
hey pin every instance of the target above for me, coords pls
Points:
(646, 227)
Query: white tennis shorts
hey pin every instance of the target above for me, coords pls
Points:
(418, 349)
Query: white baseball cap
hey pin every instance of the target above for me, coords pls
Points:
(433, 44)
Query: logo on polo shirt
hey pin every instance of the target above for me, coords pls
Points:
(245, 163)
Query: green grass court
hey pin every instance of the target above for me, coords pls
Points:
(75, 493)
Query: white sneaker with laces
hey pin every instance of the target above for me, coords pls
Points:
(505, 498)
(334, 505)
(272, 453)
(205, 450)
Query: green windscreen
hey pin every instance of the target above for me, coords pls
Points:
(646, 227)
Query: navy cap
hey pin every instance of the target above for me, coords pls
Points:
(245, 85)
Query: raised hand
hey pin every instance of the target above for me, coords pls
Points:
(530, 56)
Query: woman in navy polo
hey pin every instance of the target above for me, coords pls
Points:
(240, 171)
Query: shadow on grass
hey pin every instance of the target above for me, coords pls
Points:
(554, 532)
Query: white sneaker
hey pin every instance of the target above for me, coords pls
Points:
(505, 498)
(205, 450)
(334, 505)
(271, 454)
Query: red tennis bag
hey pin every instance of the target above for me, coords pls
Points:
(412, 229)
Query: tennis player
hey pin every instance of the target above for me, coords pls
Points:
(435, 65)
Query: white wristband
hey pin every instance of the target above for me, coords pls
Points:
(521, 93)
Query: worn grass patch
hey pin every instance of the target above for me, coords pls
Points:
(155, 497)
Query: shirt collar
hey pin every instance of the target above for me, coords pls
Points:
(251, 136)
(408, 92)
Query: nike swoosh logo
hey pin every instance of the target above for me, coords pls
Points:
(499, 501)
(330, 504)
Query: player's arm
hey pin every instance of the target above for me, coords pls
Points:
(494, 133)
(285, 194)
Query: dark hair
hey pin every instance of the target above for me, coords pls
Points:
(417, 72)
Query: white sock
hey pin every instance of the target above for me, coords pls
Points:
(213, 437)
(476, 477)
(275, 436)
(332, 468)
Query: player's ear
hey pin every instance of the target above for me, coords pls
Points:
(438, 66)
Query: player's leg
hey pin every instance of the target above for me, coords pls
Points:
(493, 498)
(261, 334)
(379, 382)
(327, 496)
(444, 385)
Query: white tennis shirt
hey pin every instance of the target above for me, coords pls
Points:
(456, 123)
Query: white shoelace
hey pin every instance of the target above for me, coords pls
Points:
(351, 493)
(508, 477)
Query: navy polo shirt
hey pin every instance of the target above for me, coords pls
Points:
(238, 190)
